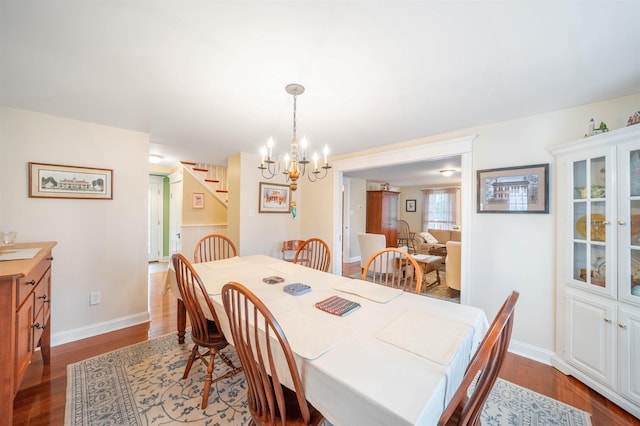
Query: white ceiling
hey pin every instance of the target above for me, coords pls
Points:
(423, 173)
(206, 79)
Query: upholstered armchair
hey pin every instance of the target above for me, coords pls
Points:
(370, 244)
(453, 265)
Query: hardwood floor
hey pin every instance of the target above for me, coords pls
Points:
(41, 399)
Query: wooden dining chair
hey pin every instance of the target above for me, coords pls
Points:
(257, 336)
(395, 268)
(465, 407)
(313, 253)
(204, 324)
(405, 236)
(214, 247)
(289, 248)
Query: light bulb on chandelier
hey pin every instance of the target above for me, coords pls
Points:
(293, 163)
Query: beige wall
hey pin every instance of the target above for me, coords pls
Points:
(102, 244)
(214, 211)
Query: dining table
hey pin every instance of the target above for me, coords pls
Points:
(395, 360)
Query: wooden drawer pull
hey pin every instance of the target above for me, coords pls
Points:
(44, 296)
(32, 282)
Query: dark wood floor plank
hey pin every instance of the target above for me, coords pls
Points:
(41, 399)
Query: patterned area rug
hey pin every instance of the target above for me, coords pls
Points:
(142, 385)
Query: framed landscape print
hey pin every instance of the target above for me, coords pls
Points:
(274, 198)
(58, 181)
(523, 189)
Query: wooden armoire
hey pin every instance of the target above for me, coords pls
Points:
(382, 215)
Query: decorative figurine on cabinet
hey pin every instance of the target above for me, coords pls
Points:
(591, 130)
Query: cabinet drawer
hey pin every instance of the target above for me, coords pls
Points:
(27, 283)
(43, 294)
(37, 326)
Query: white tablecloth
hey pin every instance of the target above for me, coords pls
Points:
(353, 372)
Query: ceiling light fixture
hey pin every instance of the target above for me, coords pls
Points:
(155, 158)
(294, 162)
(447, 172)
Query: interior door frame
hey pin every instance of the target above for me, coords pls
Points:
(462, 147)
(156, 235)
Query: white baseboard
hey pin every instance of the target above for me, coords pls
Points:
(532, 352)
(99, 328)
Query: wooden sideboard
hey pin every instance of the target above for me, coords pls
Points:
(25, 289)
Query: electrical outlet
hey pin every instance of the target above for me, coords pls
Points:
(95, 298)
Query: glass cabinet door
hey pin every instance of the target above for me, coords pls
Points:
(629, 222)
(590, 225)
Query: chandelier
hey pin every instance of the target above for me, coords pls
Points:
(295, 162)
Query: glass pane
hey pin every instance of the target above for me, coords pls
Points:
(598, 265)
(580, 220)
(580, 261)
(635, 273)
(597, 223)
(580, 180)
(634, 173)
(635, 223)
(598, 180)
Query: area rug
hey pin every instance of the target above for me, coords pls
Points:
(142, 385)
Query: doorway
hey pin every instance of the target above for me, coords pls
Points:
(155, 241)
(462, 147)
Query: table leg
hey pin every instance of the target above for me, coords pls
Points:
(181, 320)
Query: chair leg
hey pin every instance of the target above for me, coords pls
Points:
(194, 355)
(208, 379)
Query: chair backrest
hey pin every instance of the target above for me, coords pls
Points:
(395, 268)
(453, 264)
(195, 297)
(403, 230)
(314, 253)
(256, 337)
(465, 408)
(214, 247)
(289, 248)
(370, 244)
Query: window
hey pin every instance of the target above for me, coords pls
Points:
(441, 208)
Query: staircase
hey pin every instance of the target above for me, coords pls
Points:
(213, 178)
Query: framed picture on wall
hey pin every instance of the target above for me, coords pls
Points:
(523, 189)
(410, 205)
(197, 200)
(274, 198)
(59, 181)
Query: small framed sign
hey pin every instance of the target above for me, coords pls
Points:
(410, 206)
(197, 200)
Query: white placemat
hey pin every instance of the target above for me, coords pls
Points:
(429, 336)
(312, 334)
(376, 292)
(8, 253)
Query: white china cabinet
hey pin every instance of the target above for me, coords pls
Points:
(598, 252)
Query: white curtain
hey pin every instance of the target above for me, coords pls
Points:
(441, 208)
